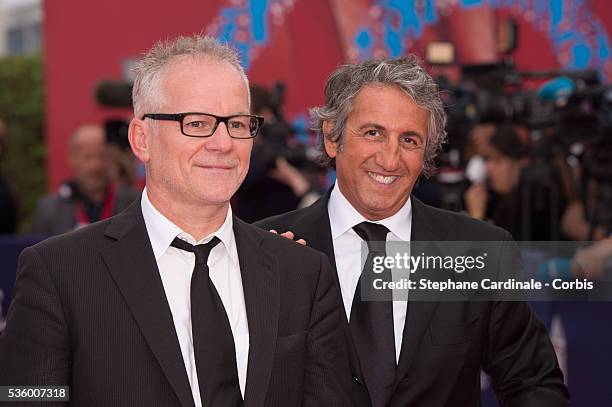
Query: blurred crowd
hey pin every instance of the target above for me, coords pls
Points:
(509, 175)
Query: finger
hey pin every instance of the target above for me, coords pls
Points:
(274, 231)
(301, 241)
(288, 235)
(281, 162)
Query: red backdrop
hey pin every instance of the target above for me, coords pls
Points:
(86, 41)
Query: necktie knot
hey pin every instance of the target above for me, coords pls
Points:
(201, 251)
(371, 233)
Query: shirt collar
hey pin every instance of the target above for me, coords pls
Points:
(343, 216)
(162, 230)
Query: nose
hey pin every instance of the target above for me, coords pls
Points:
(220, 140)
(388, 157)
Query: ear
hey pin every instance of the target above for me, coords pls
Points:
(331, 147)
(138, 136)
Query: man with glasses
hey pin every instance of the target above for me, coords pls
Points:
(175, 302)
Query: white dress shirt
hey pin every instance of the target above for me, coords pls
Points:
(175, 268)
(347, 250)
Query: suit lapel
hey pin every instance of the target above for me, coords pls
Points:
(260, 282)
(426, 226)
(314, 227)
(132, 265)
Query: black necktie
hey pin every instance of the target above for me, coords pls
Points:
(371, 322)
(213, 343)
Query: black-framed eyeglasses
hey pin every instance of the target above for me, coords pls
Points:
(197, 124)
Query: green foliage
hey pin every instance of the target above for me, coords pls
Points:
(21, 107)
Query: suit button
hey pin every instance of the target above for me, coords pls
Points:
(356, 379)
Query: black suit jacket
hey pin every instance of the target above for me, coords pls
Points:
(445, 344)
(89, 311)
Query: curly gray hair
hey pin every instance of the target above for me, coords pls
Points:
(147, 94)
(406, 73)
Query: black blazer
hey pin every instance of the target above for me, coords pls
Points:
(89, 311)
(446, 344)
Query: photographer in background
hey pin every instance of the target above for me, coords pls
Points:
(588, 217)
(8, 204)
(125, 169)
(501, 199)
(91, 195)
(273, 185)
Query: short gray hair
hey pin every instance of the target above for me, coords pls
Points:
(147, 94)
(406, 73)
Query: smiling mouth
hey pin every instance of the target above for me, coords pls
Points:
(381, 179)
(215, 167)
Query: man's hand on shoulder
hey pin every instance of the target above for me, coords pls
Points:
(289, 235)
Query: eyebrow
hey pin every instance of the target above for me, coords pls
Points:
(240, 112)
(379, 127)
